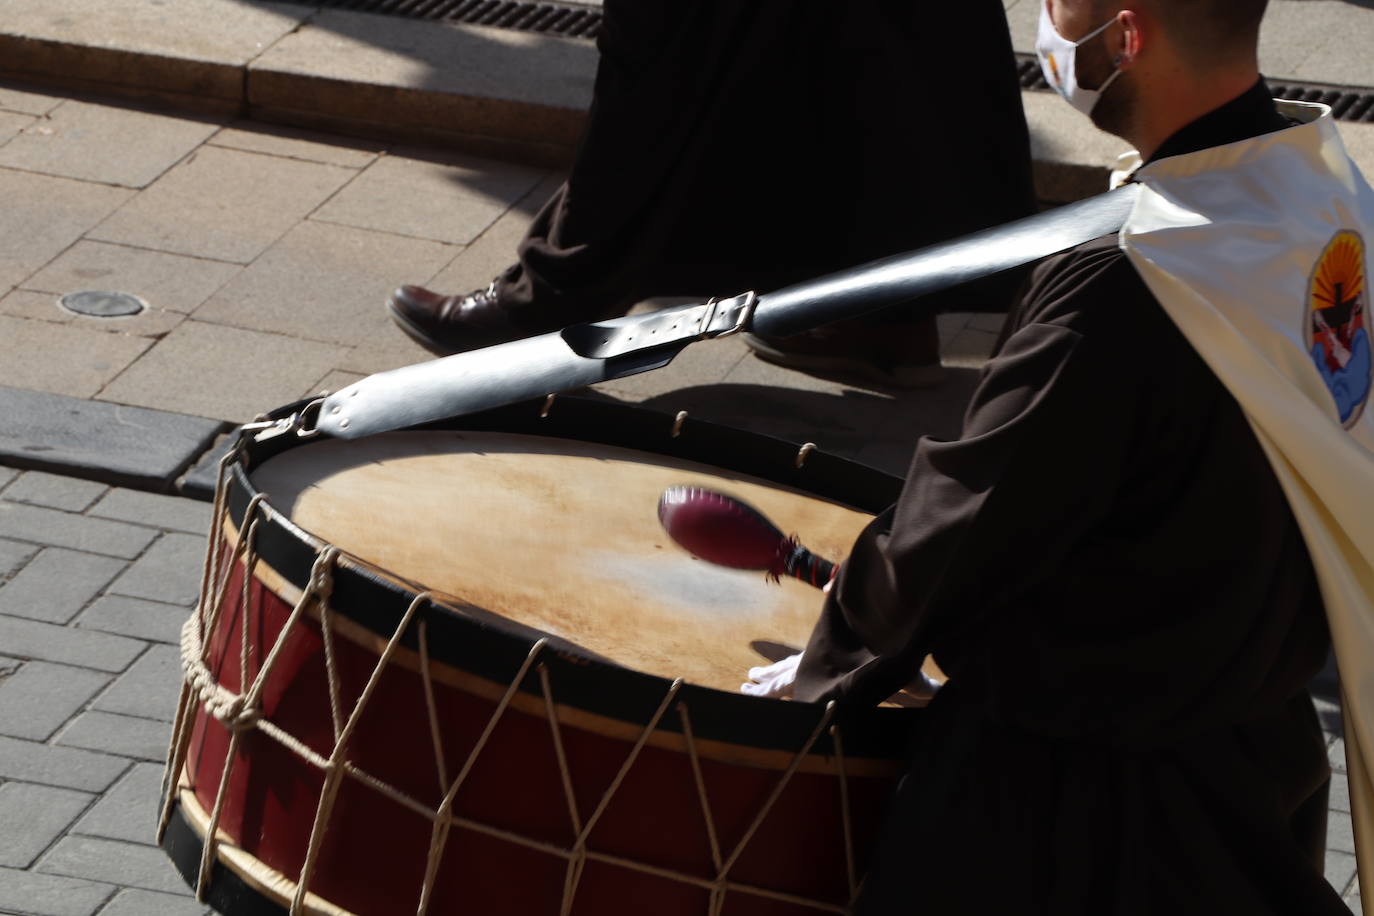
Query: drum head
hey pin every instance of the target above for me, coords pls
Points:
(562, 536)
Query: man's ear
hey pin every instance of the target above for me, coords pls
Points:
(1132, 39)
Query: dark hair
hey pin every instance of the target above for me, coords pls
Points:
(1205, 30)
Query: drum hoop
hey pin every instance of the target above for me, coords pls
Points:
(493, 647)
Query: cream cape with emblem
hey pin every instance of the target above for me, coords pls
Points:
(1229, 240)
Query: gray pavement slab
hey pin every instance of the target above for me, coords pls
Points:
(128, 810)
(148, 689)
(35, 817)
(64, 767)
(444, 197)
(55, 491)
(152, 322)
(138, 618)
(112, 442)
(223, 204)
(122, 736)
(295, 143)
(169, 571)
(14, 555)
(35, 639)
(136, 902)
(76, 532)
(92, 358)
(25, 101)
(29, 892)
(12, 125)
(45, 215)
(40, 697)
(55, 585)
(323, 282)
(172, 282)
(153, 509)
(107, 144)
(113, 862)
(227, 373)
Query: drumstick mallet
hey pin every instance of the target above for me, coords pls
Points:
(727, 532)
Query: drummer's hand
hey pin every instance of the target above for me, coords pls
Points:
(773, 680)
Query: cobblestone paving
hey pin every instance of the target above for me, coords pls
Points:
(96, 582)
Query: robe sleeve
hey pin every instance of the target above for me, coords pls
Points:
(983, 519)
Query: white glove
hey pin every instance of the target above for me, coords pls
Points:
(773, 680)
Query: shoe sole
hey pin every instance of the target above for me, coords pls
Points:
(906, 377)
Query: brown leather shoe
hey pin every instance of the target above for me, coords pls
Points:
(452, 324)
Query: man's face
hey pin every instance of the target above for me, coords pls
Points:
(1094, 59)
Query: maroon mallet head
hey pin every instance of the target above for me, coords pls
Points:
(719, 529)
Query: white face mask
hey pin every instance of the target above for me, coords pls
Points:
(1057, 55)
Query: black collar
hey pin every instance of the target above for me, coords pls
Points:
(1247, 115)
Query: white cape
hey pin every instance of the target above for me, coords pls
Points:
(1256, 251)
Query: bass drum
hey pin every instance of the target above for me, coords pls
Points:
(463, 670)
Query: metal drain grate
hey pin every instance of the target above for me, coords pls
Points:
(563, 20)
(1346, 104)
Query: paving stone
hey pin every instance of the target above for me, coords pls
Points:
(137, 618)
(57, 584)
(324, 282)
(336, 380)
(389, 349)
(7, 475)
(119, 146)
(134, 902)
(25, 303)
(66, 646)
(44, 216)
(55, 491)
(294, 143)
(49, 895)
(66, 767)
(154, 510)
(126, 736)
(200, 482)
(446, 198)
(129, 809)
(223, 204)
(32, 103)
(165, 281)
(1336, 754)
(1340, 833)
(169, 571)
(89, 360)
(40, 697)
(1340, 869)
(113, 861)
(1340, 792)
(109, 442)
(148, 689)
(13, 556)
(77, 532)
(44, 813)
(12, 125)
(254, 371)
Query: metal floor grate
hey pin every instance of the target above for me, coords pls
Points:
(563, 20)
(1347, 104)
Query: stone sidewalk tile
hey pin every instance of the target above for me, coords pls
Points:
(333, 381)
(1340, 792)
(27, 102)
(216, 371)
(294, 143)
(1340, 833)
(7, 475)
(154, 510)
(191, 52)
(172, 282)
(223, 204)
(324, 282)
(135, 902)
(389, 348)
(495, 249)
(65, 767)
(90, 359)
(57, 584)
(119, 146)
(148, 689)
(126, 736)
(1340, 869)
(67, 646)
(1314, 40)
(12, 125)
(430, 195)
(50, 895)
(168, 572)
(1336, 755)
(43, 812)
(40, 697)
(13, 555)
(44, 216)
(35, 306)
(128, 810)
(115, 862)
(55, 491)
(77, 532)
